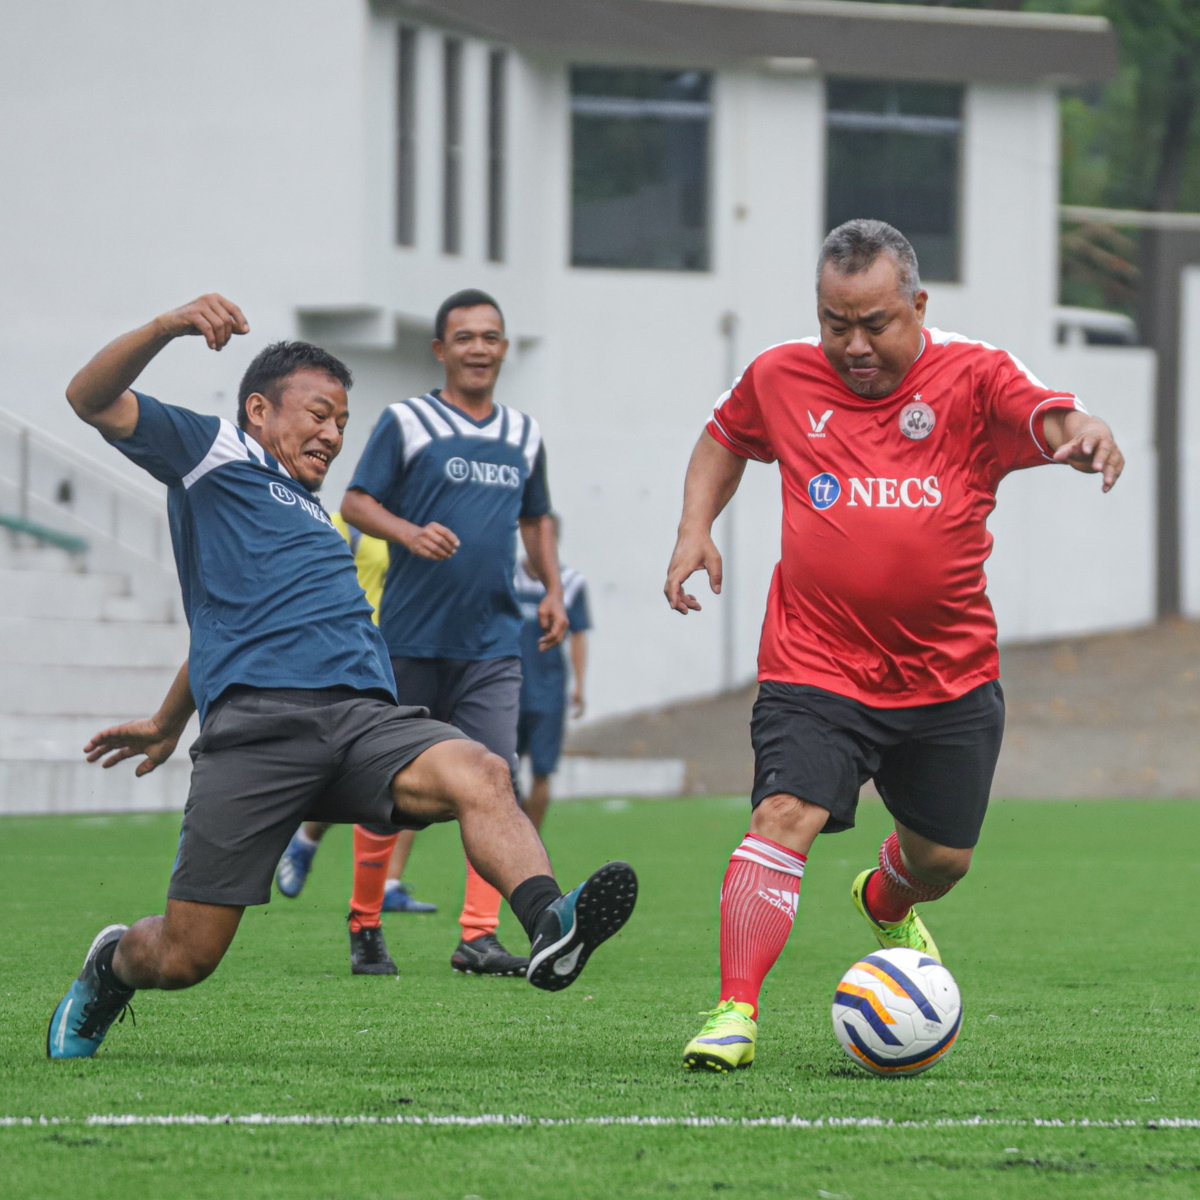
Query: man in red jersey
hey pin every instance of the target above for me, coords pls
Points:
(878, 657)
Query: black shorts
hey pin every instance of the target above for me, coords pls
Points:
(268, 759)
(932, 764)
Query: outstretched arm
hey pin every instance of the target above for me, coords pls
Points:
(1085, 443)
(712, 478)
(100, 393)
(540, 540)
(155, 737)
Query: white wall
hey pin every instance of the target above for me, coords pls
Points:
(154, 150)
(1189, 437)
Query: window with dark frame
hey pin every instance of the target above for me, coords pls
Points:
(640, 168)
(893, 152)
(452, 53)
(497, 152)
(406, 136)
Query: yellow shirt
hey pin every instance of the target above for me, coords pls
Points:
(370, 557)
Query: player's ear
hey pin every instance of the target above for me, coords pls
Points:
(256, 403)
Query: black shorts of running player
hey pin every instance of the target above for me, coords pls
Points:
(270, 758)
(932, 764)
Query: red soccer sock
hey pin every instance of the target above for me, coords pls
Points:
(759, 900)
(893, 889)
(481, 907)
(372, 852)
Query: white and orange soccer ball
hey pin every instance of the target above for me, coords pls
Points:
(897, 1012)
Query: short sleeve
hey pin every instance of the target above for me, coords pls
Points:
(382, 462)
(535, 500)
(168, 442)
(737, 420)
(579, 617)
(1017, 403)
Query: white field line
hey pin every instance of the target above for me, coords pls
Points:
(516, 1120)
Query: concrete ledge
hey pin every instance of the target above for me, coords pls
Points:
(580, 777)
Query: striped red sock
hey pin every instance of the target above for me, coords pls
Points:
(759, 900)
(893, 889)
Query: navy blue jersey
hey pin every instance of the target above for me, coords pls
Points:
(269, 585)
(544, 672)
(426, 460)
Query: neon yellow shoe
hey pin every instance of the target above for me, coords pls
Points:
(910, 932)
(726, 1042)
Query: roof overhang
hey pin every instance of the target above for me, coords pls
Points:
(833, 37)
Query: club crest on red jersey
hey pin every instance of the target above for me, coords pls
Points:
(917, 419)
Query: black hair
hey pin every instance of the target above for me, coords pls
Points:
(272, 366)
(854, 246)
(467, 298)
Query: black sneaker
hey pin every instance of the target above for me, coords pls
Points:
(575, 924)
(86, 1013)
(485, 956)
(369, 953)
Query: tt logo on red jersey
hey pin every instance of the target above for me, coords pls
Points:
(825, 490)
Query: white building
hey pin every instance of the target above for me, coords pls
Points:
(643, 184)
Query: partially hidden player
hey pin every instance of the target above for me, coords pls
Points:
(296, 699)
(879, 656)
(544, 677)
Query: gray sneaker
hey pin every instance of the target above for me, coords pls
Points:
(485, 956)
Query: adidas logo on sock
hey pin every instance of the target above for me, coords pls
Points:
(786, 902)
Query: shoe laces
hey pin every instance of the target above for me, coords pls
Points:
(106, 1007)
(724, 1011)
(908, 931)
(371, 941)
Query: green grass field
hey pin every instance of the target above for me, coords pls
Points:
(1076, 1073)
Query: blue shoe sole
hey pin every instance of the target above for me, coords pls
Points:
(604, 904)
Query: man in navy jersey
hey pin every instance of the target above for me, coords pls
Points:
(298, 715)
(879, 657)
(543, 705)
(448, 478)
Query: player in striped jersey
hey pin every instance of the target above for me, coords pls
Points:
(449, 478)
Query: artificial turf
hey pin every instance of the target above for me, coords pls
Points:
(1076, 1073)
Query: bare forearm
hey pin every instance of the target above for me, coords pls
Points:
(541, 548)
(107, 378)
(366, 513)
(579, 661)
(178, 704)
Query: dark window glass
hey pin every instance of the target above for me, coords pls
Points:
(452, 146)
(497, 149)
(406, 134)
(893, 152)
(639, 173)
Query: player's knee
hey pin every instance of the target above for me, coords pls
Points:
(784, 819)
(940, 866)
(490, 782)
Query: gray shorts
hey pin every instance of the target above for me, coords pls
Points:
(270, 758)
(479, 697)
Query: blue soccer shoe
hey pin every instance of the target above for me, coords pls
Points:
(575, 924)
(86, 1013)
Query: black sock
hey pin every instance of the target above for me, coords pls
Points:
(103, 963)
(531, 898)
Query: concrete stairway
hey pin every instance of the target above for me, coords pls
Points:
(81, 648)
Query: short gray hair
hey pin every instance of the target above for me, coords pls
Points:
(855, 245)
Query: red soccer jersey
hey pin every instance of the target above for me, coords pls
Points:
(880, 594)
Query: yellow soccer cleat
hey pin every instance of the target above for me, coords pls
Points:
(726, 1042)
(909, 933)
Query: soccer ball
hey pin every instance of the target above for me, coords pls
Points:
(897, 1012)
